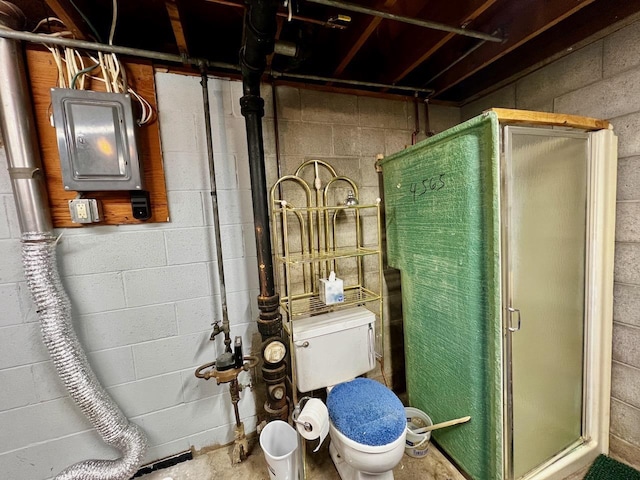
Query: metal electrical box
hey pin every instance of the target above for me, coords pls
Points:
(96, 140)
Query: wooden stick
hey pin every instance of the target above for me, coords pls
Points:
(442, 425)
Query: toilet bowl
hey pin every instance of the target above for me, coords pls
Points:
(367, 420)
(367, 427)
(355, 461)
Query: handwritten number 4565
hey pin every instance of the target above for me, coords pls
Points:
(428, 184)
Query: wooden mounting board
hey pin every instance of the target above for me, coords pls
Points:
(116, 206)
(507, 115)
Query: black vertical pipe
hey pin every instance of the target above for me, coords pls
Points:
(258, 42)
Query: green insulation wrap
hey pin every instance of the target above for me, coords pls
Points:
(442, 219)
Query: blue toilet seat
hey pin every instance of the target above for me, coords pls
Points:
(366, 412)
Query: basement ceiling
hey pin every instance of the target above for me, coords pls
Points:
(504, 38)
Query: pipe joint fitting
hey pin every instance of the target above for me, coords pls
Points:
(252, 104)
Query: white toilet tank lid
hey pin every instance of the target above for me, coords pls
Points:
(326, 323)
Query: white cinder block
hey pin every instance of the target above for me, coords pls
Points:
(12, 216)
(626, 303)
(622, 50)
(232, 238)
(36, 423)
(235, 137)
(10, 261)
(249, 235)
(86, 254)
(113, 366)
(378, 112)
(626, 344)
(5, 230)
(186, 171)
(165, 450)
(148, 395)
(327, 107)
(166, 284)
(625, 383)
(221, 435)
(505, 98)
(608, 98)
(627, 263)
(190, 245)
(48, 385)
(118, 328)
(21, 345)
(197, 314)
(173, 354)
(442, 117)
(226, 172)
(567, 74)
(219, 97)
(235, 93)
(240, 306)
(42, 460)
(396, 140)
(628, 179)
(5, 182)
(626, 128)
(628, 221)
(305, 138)
(95, 293)
(179, 131)
(17, 388)
(234, 206)
(10, 302)
(29, 312)
(241, 274)
(625, 420)
(178, 92)
(185, 208)
(195, 388)
(182, 421)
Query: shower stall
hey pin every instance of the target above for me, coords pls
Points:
(503, 229)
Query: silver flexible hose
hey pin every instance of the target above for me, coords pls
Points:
(54, 309)
(39, 258)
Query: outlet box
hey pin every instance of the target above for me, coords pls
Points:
(85, 210)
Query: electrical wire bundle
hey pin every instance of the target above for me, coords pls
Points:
(73, 71)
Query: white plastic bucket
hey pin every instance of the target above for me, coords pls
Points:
(417, 444)
(279, 442)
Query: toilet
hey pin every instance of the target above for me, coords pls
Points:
(367, 421)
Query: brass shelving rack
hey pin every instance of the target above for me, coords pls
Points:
(318, 226)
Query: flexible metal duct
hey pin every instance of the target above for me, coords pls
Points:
(39, 259)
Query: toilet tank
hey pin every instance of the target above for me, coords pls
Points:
(333, 347)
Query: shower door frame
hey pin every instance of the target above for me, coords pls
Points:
(600, 230)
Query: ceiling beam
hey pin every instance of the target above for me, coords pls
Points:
(407, 47)
(589, 25)
(359, 37)
(65, 11)
(523, 22)
(173, 9)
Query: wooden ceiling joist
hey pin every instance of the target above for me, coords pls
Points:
(65, 11)
(359, 37)
(173, 9)
(409, 44)
(523, 22)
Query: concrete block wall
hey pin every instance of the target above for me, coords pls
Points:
(348, 132)
(602, 80)
(144, 296)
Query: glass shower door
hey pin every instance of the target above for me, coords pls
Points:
(545, 175)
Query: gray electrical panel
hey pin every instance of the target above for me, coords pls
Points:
(96, 140)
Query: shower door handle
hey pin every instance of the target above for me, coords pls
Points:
(511, 312)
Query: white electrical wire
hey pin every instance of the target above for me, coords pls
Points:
(72, 71)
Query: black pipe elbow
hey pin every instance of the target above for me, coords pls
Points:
(258, 42)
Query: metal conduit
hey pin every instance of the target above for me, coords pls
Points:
(172, 58)
(39, 258)
(413, 21)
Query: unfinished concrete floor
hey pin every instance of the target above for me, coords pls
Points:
(217, 465)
